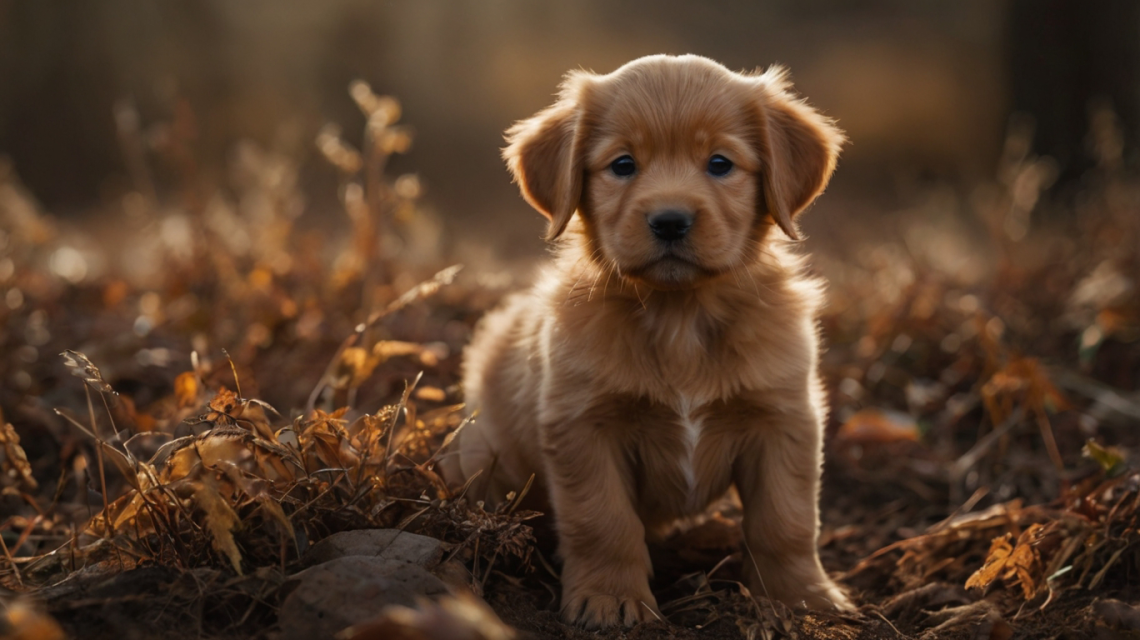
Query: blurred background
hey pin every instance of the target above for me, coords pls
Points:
(926, 89)
(213, 194)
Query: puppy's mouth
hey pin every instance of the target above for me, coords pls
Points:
(671, 271)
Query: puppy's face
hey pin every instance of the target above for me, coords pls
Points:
(670, 190)
(677, 166)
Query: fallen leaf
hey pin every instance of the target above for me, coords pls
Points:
(187, 390)
(23, 622)
(220, 520)
(14, 456)
(875, 426)
(273, 510)
(994, 566)
(430, 394)
(1017, 564)
(465, 617)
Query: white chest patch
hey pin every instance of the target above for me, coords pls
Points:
(692, 434)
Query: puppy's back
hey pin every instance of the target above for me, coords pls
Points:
(502, 371)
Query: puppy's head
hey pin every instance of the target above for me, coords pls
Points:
(678, 166)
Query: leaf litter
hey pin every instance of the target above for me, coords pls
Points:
(244, 395)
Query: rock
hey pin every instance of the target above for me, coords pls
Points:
(465, 617)
(387, 544)
(353, 575)
(349, 590)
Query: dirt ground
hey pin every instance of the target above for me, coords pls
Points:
(176, 434)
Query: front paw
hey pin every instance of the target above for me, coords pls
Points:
(824, 596)
(600, 610)
(799, 583)
(819, 595)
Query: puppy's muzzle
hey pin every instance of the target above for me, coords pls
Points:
(670, 225)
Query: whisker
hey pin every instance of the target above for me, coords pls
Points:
(594, 285)
(609, 272)
(582, 275)
(734, 269)
(574, 287)
(755, 285)
(637, 292)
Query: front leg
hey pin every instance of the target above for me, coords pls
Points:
(777, 474)
(606, 568)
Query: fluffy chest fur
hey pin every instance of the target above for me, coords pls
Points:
(677, 378)
(745, 332)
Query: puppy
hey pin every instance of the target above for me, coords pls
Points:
(670, 351)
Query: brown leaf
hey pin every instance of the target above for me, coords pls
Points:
(273, 510)
(125, 513)
(994, 567)
(182, 462)
(220, 520)
(253, 415)
(386, 349)
(224, 402)
(14, 456)
(277, 463)
(186, 389)
(1021, 382)
(875, 426)
(355, 366)
(455, 618)
(22, 622)
(124, 463)
(430, 394)
(1016, 564)
(217, 446)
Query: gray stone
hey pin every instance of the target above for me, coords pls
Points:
(388, 544)
(349, 590)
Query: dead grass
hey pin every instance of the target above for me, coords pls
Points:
(149, 483)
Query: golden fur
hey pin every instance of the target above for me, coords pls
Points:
(638, 379)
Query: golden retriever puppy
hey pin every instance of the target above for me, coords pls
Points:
(670, 350)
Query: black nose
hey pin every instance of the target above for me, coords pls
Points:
(670, 225)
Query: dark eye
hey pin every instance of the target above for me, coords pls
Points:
(719, 166)
(623, 167)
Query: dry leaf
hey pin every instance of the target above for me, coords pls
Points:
(1023, 381)
(875, 426)
(230, 410)
(1017, 564)
(14, 456)
(354, 367)
(273, 510)
(452, 618)
(23, 622)
(219, 446)
(187, 390)
(224, 402)
(220, 520)
(430, 394)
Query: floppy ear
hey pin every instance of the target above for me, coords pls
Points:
(799, 149)
(543, 155)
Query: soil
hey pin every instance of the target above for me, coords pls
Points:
(979, 478)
